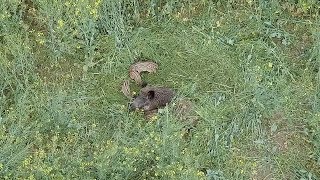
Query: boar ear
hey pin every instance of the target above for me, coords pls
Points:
(151, 94)
(144, 84)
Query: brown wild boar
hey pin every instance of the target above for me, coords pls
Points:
(152, 98)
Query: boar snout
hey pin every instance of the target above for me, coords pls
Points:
(142, 101)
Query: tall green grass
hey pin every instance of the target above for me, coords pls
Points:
(250, 68)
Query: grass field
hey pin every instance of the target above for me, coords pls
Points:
(250, 68)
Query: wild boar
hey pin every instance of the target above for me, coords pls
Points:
(151, 98)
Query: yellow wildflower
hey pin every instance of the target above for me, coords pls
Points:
(153, 118)
(41, 41)
(94, 12)
(249, 2)
(41, 153)
(218, 23)
(60, 23)
(31, 177)
(200, 173)
(77, 12)
(97, 3)
(67, 3)
(26, 162)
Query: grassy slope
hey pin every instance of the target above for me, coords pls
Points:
(251, 71)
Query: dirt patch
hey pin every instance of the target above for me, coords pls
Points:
(300, 49)
(279, 132)
(263, 172)
(281, 141)
(62, 72)
(184, 110)
(31, 16)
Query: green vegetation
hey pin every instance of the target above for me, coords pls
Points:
(251, 69)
